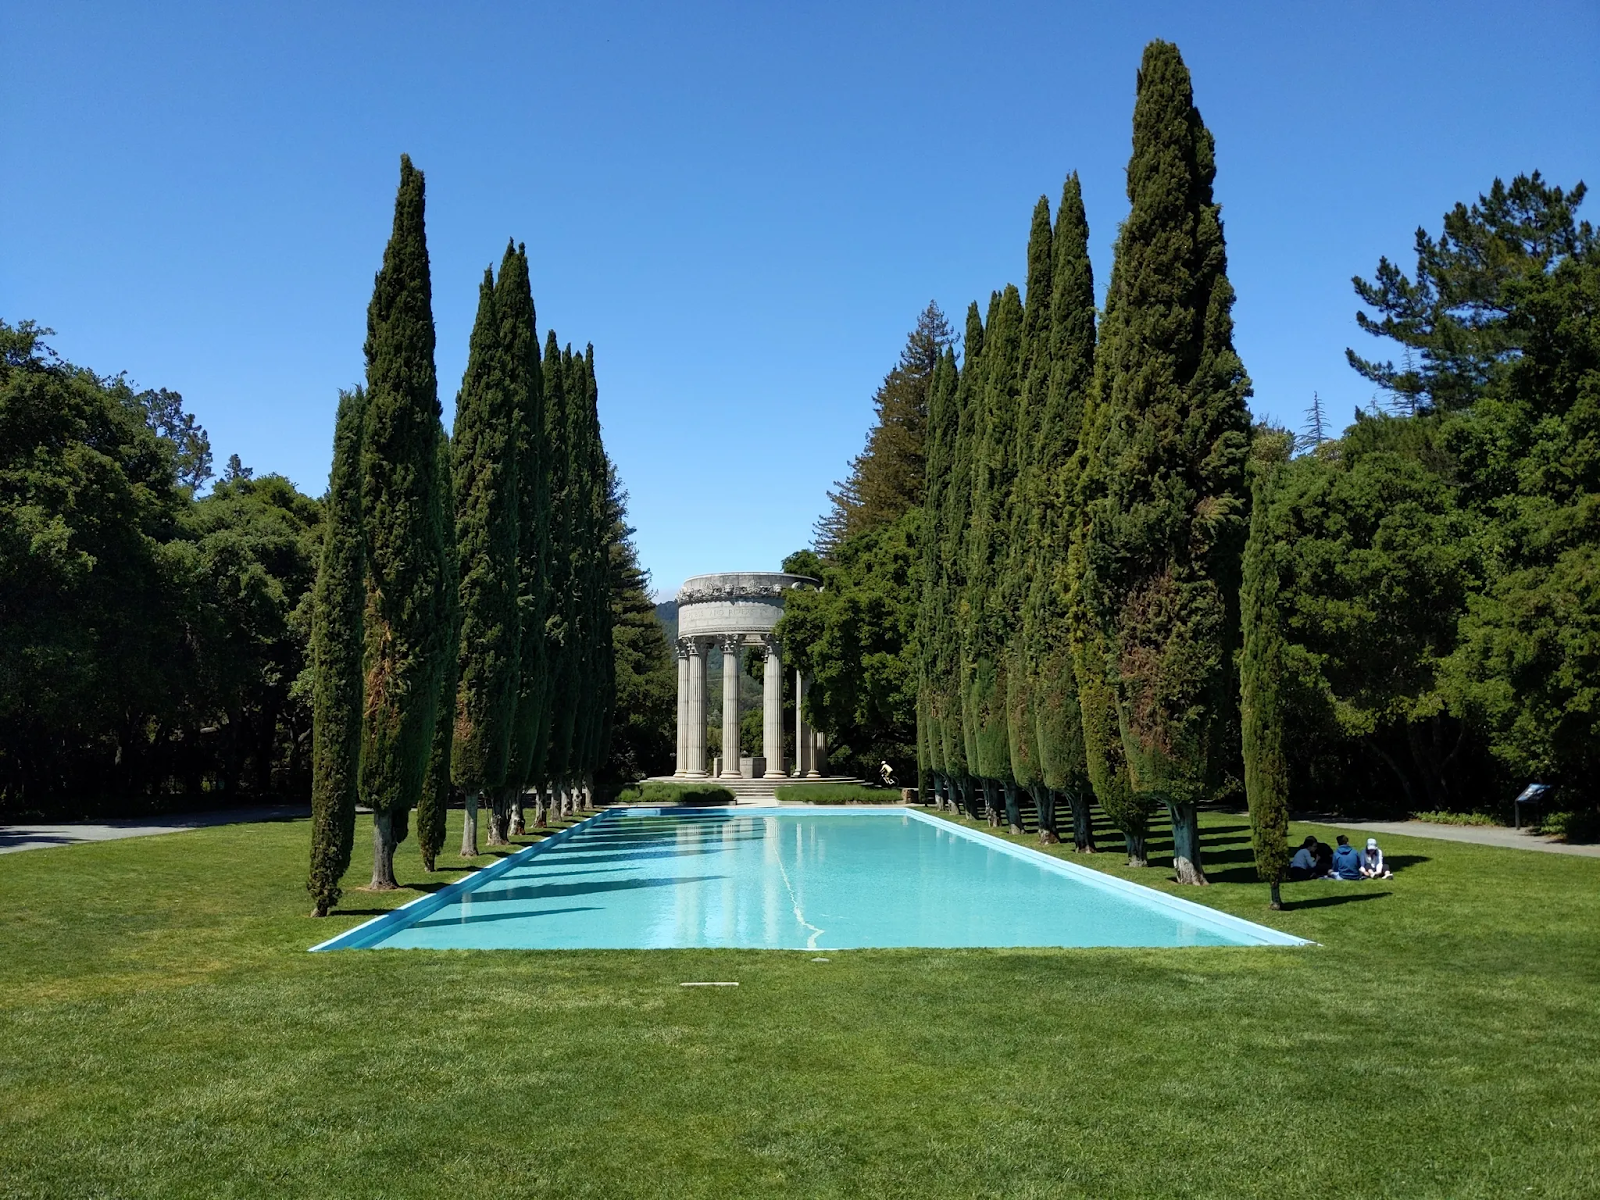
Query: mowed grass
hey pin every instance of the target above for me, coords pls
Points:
(163, 1032)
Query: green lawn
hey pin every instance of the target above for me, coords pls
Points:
(164, 1033)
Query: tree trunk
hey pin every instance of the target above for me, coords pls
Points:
(1045, 800)
(518, 827)
(1186, 841)
(469, 828)
(499, 817)
(1013, 813)
(1277, 900)
(383, 844)
(990, 812)
(1135, 843)
(1082, 822)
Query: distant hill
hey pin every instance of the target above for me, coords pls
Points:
(667, 614)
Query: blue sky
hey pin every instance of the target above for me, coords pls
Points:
(743, 206)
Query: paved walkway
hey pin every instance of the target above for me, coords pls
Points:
(14, 838)
(1482, 835)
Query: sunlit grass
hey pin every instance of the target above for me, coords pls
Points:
(164, 1033)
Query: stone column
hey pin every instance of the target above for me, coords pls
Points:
(731, 645)
(802, 731)
(682, 762)
(772, 708)
(819, 755)
(695, 743)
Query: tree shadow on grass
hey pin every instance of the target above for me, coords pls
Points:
(1292, 905)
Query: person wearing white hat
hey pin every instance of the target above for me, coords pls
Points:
(1372, 862)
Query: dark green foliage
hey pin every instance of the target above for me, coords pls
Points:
(336, 648)
(835, 793)
(1262, 681)
(989, 619)
(1166, 534)
(401, 624)
(960, 753)
(437, 791)
(483, 455)
(519, 341)
(1024, 535)
(935, 623)
(855, 641)
(1453, 318)
(561, 635)
(1052, 681)
(644, 671)
(153, 645)
(887, 478)
(675, 794)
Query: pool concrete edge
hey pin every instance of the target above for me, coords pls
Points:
(1264, 935)
(362, 936)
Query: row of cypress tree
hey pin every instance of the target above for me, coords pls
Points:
(1085, 512)
(461, 619)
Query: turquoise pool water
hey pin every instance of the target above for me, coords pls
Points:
(797, 879)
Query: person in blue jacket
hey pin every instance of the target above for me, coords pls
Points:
(1346, 860)
(1304, 863)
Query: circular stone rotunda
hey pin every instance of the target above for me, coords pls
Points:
(736, 613)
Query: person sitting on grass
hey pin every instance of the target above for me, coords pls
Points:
(1372, 862)
(1346, 860)
(1304, 863)
(1324, 867)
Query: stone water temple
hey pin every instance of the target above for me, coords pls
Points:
(736, 612)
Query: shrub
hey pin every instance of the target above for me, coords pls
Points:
(671, 794)
(1452, 818)
(1572, 826)
(836, 793)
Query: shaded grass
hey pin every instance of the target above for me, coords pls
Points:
(163, 1032)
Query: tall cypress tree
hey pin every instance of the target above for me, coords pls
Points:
(484, 452)
(1165, 537)
(336, 604)
(960, 751)
(561, 625)
(1261, 682)
(434, 806)
(520, 341)
(404, 637)
(1023, 549)
(934, 625)
(993, 472)
(1053, 681)
(592, 574)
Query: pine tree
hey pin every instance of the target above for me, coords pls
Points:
(993, 472)
(887, 478)
(484, 454)
(1053, 681)
(520, 342)
(403, 633)
(1165, 538)
(1261, 683)
(434, 806)
(336, 663)
(1022, 649)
